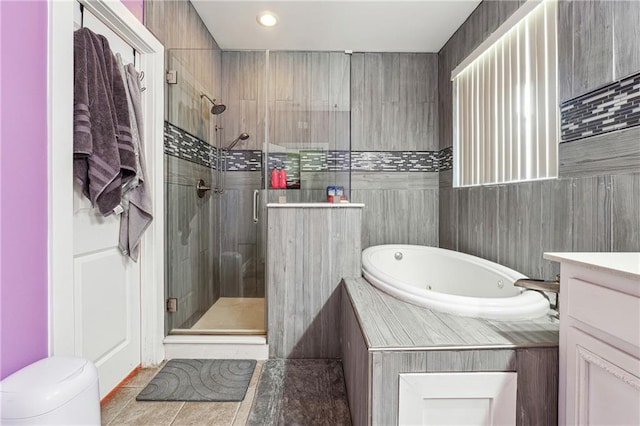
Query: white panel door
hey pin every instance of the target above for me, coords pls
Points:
(442, 399)
(106, 294)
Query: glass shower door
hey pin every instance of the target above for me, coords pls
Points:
(241, 218)
(214, 235)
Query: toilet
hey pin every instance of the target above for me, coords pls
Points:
(52, 391)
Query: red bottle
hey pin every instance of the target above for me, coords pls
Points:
(283, 178)
(275, 178)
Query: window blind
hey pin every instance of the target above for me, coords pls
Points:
(505, 105)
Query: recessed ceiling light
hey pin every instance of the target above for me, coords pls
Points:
(267, 19)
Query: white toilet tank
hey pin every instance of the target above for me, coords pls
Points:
(52, 391)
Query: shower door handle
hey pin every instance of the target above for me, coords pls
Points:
(256, 194)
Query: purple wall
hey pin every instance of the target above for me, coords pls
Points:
(135, 6)
(23, 184)
(23, 181)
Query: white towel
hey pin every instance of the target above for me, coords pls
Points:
(137, 218)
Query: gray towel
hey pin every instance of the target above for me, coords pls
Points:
(139, 215)
(104, 157)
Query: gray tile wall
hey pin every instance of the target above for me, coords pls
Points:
(191, 253)
(195, 55)
(394, 142)
(304, 275)
(595, 205)
(190, 234)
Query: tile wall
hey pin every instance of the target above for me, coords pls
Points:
(595, 203)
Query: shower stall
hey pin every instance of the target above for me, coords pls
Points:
(232, 117)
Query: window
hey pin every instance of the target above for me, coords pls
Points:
(505, 102)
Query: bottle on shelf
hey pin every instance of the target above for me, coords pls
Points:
(275, 178)
(283, 178)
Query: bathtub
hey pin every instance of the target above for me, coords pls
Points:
(451, 282)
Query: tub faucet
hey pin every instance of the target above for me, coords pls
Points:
(542, 286)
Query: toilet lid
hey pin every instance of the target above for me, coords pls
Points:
(44, 386)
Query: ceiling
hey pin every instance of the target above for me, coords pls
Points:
(361, 26)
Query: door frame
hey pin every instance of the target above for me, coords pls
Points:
(60, 173)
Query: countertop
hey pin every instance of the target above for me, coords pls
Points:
(314, 205)
(388, 323)
(625, 264)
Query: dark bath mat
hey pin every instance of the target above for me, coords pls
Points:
(200, 380)
(300, 392)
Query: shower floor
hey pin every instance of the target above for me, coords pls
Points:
(234, 315)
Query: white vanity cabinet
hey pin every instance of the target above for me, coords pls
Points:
(599, 338)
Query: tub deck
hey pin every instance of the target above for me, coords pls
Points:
(388, 323)
(383, 337)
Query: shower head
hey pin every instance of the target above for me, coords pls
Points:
(216, 108)
(243, 137)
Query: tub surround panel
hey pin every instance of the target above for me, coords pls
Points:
(356, 362)
(396, 337)
(537, 398)
(388, 323)
(310, 251)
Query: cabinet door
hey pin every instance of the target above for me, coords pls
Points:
(457, 399)
(603, 383)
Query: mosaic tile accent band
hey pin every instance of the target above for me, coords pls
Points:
(244, 161)
(445, 162)
(180, 143)
(394, 161)
(325, 161)
(612, 107)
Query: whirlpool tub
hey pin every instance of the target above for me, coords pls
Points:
(451, 282)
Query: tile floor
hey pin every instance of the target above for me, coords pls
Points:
(123, 409)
